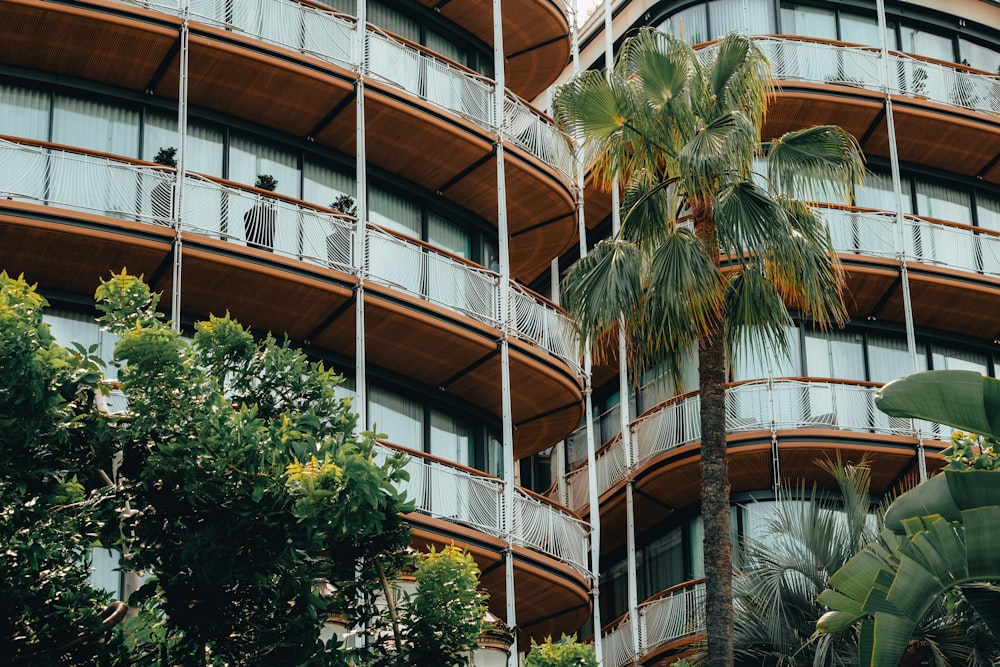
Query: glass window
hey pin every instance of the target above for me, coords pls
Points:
(954, 359)
(446, 234)
(24, 112)
(726, 16)
(923, 43)
(322, 183)
(451, 438)
(664, 562)
(400, 418)
(863, 30)
(95, 125)
(689, 24)
(978, 56)
(808, 21)
(988, 212)
(888, 359)
(943, 202)
(835, 354)
(205, 148)
(249, 158)
(988, 217)
(391, 20)
(393, 212)
(877, 193)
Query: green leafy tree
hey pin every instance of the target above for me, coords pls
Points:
(249, 495)
(52, 496)
(566, 652)
(941, 545)
(710, 254)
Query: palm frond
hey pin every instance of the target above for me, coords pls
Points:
(662, 65)
(650, 208)
(747, 219)
(755, 317)
(808, 273)
(823, 162)
(740, 79)
(613, 270)
(685, 288)
(725, 145)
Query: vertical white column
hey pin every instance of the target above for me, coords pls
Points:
(177, 205)
(911, 341)
(361, 200)
(505, 327)
(588, 420)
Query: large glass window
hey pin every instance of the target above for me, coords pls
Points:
(664, 562)
(808, 21)
(889, 359)
(864, 30)
(24, 112)
(689, 24)
(400, 418)
(877, 193)
(205, 148)
(451, 438)
(752, 363)
(249, 158)
(835, 354)
(979, 56)
(94, 125)
(955, 359)
(924, 43)
(943, 202)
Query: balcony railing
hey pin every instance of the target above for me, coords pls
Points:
(329, 36)
(954, 246)
(859, 66)
(674, 614)
(750, 406)
(141, 193)
(445, 491)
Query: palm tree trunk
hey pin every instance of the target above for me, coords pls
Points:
(715, 471)
(715, 502)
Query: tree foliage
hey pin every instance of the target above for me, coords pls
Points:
(567, 652)
(52, 502)
(235, 481)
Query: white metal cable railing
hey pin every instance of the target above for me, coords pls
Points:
(328, 36)
(751, 406)
(453, 494)
(826, 63)
(120, 189)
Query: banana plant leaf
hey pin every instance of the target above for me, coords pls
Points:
(962, 399)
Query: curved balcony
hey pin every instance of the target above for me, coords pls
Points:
(450, 499)
(535, 33)
(945, 112)
(787, 408)
(667, 618)
(293, 67)
(434, 316)
(953, 269)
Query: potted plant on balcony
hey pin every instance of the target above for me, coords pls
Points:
(259, 221)
(162, 197)
(336, 253)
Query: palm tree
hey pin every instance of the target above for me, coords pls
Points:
(709, 252)
(789, 564)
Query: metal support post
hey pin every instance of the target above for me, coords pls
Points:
(177, 205)
(499, 96)
(911, 342)
(360, 263)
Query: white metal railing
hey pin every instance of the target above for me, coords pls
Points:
(873, 233)
(617, 645)
(664, 619)
(820, 62)
(328, 36)
(751, 406)
(659, 621)
(109, 187)
(446, 492)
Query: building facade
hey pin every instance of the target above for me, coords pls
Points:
(917, 84)
(363, 177)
